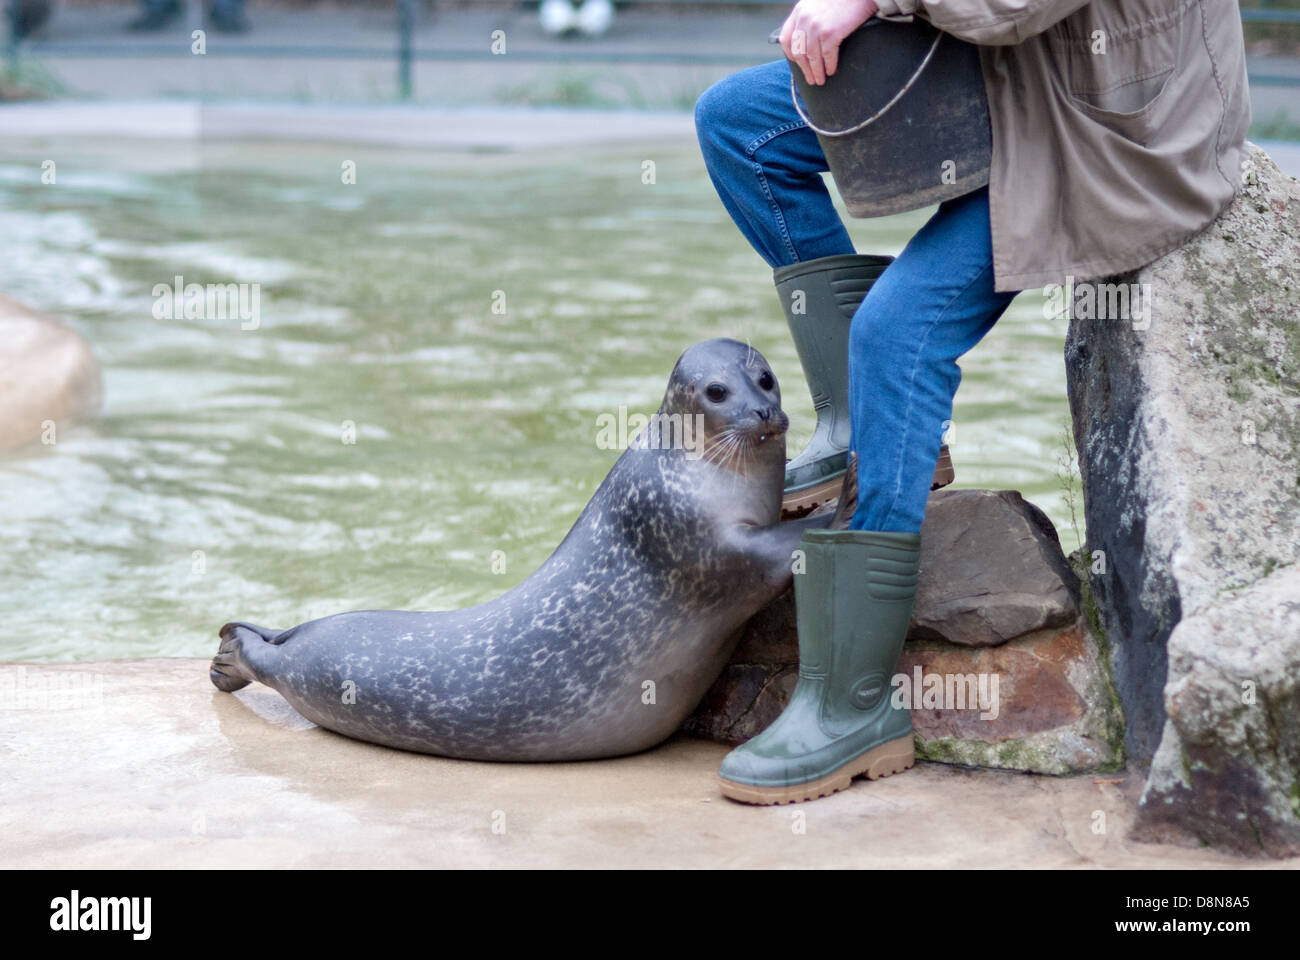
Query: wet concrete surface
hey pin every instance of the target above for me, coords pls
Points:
(141, 763)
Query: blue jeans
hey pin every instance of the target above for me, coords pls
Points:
(930, 306)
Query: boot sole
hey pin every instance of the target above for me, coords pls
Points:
(800, 503)
(876, 764)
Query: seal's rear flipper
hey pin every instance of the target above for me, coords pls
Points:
(231, 669)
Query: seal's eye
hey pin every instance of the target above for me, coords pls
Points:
(766, 381)
(716, 392)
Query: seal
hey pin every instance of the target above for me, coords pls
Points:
(607, 647)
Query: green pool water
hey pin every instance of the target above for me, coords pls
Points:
(219, 483)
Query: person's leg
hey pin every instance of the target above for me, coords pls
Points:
(933, 304)
(856, 595)
(766, 166)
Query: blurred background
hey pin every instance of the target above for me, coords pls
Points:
(473, 229)
(648, 54)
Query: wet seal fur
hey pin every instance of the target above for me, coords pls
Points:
(609, 645)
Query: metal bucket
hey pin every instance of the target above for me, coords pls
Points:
(904, 121)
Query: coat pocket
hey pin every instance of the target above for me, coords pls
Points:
(1123, 87)
(1129, 107)
(1127, 97)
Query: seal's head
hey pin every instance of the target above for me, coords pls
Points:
(728, 388)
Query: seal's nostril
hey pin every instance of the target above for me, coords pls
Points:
(764, 415)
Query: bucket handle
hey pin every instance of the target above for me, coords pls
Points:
(794, 98)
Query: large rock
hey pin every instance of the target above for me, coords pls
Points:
(1227, 772)
(48, 376)
(1187, 417)
(991, 570)
(997, 627)
(1054, 708)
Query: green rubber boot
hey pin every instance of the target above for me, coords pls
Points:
(819, 298)
(852, 603)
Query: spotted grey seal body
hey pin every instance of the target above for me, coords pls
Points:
(610, 644)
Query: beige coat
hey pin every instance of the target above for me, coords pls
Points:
(1118, 126)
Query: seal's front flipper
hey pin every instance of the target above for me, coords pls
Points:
(241, 644)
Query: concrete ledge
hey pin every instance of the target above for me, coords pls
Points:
(140, 763)
(454, 128)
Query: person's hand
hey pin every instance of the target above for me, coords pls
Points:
(813, 32)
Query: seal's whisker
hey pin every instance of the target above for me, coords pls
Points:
(725, 461)
(726, 452)
(710, 449)
(746, 454)
(743, 451)
(733, 448)
(735, 455)
(718, 445)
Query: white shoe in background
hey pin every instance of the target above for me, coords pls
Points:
(595, 17)
(558, 16)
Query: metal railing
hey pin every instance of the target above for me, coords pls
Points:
(405, 53)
